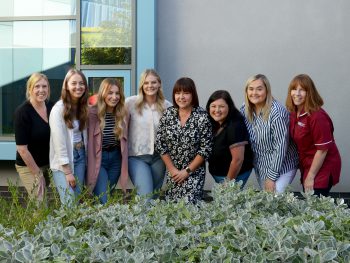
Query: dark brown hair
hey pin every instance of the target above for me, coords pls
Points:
(186, 85)
(233, 112)
(81, 113)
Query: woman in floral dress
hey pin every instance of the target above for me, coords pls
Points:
(184, 141)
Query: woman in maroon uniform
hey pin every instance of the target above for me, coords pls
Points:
(312, 130)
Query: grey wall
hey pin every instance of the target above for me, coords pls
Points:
(221, 43)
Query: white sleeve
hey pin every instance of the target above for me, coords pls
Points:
(59, 135)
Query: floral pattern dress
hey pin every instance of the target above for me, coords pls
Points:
(183, 143)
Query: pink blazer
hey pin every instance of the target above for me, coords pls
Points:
(95, 151)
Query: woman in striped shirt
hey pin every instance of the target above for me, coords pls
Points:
(267, 121)
(107, 145)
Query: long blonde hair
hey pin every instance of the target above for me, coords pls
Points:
(140, 102)
(118, 111)
(249, 107)
(33, 79)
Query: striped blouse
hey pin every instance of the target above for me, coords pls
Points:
(274, 152)
(108, 138)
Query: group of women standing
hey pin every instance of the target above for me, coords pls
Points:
(146, 137)
(96, 146)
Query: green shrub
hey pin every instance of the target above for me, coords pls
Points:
(20, 213)
(237, 226)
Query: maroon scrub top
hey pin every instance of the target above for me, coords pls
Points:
(312, 132)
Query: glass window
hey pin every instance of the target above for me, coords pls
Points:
(47, 43)
(14, 8)
(27, 47)
(95, 82)
(106, 32)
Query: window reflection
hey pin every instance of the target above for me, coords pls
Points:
(106, 32)
(27, 47)
(15, 8)
(48, 44)
(95, 82)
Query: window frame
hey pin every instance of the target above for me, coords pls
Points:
(7, 141)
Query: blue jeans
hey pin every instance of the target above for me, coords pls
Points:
(66, 192)
(241, 177)
(109, 174)
(146, 173)
(79, 169)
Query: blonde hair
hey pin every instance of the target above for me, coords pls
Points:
(313, 100)
(118, 111)
(82, 107)
(33, 79)
(249, 107)
(140, 102)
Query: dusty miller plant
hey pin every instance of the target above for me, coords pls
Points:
(237, 226)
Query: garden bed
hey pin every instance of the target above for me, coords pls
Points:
(237, 226)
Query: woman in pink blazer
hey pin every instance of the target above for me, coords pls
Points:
(107, 141)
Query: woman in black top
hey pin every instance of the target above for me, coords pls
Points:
(32, 133)
(231, 157)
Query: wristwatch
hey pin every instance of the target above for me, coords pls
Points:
(188, 170)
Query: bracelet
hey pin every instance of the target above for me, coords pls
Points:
(67, 173)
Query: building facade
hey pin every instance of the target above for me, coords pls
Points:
(103, 38)
(217, 43)
(220, 44)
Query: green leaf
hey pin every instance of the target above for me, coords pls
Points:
(222, 252)
(343, 247)
(4, 255)
(7, 245)
(46, 235)
(316, 259)
(55, 249)
(20, 257)
(207, 234)
(42, 254)
(329, 255)
(71, 230)
(310, 251)
(27, 254)
(319, 225)
(282, 233)
(274, 255)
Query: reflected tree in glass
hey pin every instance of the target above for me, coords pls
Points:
(107, 40)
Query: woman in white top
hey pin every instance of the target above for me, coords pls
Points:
(146, 168)
(68, 123)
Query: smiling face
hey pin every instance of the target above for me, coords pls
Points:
(39, 92)
(218, 110)
(183, 99)
(298, 95)
(112, 98)
(151, 86)
(256, 93)
(76, 87)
